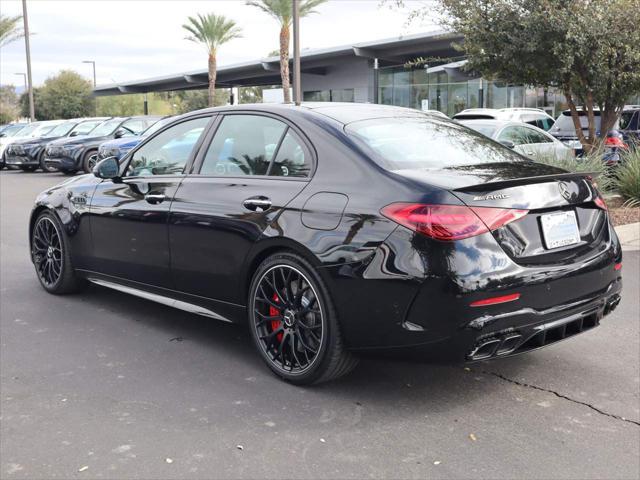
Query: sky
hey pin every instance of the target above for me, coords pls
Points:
(134, 39)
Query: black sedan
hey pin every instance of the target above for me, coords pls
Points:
(28, 154)
(336, 230)
(81, 153)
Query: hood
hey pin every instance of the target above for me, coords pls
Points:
(79, 140)
(35, 140)
(464, 176)
(122, 143)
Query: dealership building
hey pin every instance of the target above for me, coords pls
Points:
(374, 72)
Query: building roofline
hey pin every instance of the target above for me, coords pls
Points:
(266, 70)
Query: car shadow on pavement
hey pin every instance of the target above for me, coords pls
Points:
(381, 382)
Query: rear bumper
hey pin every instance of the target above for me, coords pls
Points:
(423, 309)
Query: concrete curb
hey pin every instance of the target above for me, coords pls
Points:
(629, 236)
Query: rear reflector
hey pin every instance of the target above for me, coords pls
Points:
(495, 300)
(617, 266)
(450, 222)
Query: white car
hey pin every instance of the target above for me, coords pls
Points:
(533, 116)
(525, 139)
(35, 129)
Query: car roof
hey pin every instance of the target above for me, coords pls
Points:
(342, 112)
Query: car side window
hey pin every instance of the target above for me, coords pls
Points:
(533, 136)
(291, 159)
(512, 134)
(168, 152)
(134, 127)
(243, 145)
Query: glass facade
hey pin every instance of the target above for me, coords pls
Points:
(438, 91)
(333, 95)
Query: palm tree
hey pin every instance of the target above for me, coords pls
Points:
(212, 31)
(281, 10)
(9, 29)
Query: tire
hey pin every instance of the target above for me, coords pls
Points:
(28, 168)
(49, 243)
(43, 165)
(89, 161)
(295, 328)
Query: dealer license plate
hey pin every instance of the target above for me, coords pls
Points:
(560, 229)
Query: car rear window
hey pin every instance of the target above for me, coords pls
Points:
(565, 122)
(426, 143)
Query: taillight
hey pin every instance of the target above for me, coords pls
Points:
(450, 222)
(600, 203)
(615, 141)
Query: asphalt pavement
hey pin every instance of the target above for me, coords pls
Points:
(106, 385)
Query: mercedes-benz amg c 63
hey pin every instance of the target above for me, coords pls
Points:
(339, 229)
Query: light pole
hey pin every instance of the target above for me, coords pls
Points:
(25, 19)
(95, 101)
(296, 51)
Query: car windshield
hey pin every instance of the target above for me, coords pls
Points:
(29, 129)
(487, 129)
(106, 128)
(44, 130)
(426, 143)
(155, 127)
(62, 129)
(86, 127)
(13, 130)
(565, 122)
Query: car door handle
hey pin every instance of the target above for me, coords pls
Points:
(257, 204)
(155, 198)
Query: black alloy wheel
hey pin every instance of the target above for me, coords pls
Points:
(90, 160)
(47, 252)
(51, 256)
(293, 322)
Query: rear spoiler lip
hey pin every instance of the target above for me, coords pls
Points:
(514, 182)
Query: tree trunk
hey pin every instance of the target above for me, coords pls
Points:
(576, 118)
(284, 61)
(212, 78)
(591, 118)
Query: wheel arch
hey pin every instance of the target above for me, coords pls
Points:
(268, 247)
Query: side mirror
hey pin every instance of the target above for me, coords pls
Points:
(508, 144)
(121, 132)
(107, 169)
(2, 135)
(73, 134)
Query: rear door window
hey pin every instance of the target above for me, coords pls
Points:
(244, 145)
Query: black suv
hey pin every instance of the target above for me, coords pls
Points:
(72, 154)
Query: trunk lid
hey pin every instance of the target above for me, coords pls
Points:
(544, 191)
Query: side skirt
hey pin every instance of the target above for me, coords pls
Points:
(227, 312)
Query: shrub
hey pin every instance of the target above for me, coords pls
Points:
(627, 177)
(591, 163)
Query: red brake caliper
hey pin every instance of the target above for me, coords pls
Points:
(274, 312)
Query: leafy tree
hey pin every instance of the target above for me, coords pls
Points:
(23, 104)
(10, 31)
(8, 104)
(250, 95)
(67, 95)
(282, 11)
(212, 31)
(589, 49)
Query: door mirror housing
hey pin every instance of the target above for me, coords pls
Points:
(107, 169)
(73, 134)
(508, 144)
(121, 132)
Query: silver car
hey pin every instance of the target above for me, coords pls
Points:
(525, 139)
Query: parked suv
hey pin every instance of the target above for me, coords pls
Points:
(533, 116)
(564, 129)
(119, 147)
(28, 154)
(81, 153)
